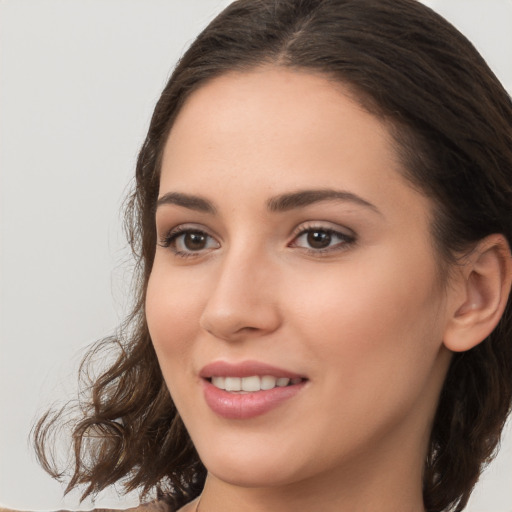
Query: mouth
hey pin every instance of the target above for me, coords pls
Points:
(248, 389)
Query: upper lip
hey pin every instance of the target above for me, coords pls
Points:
(245, 369)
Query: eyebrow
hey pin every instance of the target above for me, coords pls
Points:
(187, 201)
(280, 203)
(303, 198)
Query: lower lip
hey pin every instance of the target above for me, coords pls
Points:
(242, 406)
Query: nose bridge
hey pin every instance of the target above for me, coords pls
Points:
(243, 298)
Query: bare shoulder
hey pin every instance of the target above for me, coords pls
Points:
(152, 506)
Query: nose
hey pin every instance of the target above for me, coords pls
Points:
(243, 301)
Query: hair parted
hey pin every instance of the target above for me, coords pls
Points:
(452, 124)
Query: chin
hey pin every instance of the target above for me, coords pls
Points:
(253, 462)
(252, 474)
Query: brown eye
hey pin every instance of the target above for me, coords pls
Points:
(194, 240)
(318, 239)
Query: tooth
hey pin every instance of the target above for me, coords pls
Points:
(298, 380)
(268, 382)
(251, 383)
(219, 382)
(233, 384)
(283, 381)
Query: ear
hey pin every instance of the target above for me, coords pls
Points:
(480, 295)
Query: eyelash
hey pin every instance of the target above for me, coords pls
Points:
(346, 240)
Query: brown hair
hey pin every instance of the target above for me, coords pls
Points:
(452, 122)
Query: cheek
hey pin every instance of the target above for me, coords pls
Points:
(373, 321)
(172, 312)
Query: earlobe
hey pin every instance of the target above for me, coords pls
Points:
(482, 294)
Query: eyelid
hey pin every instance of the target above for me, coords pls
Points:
(323, 225)
(184, 227)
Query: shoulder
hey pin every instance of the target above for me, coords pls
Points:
(152, 506)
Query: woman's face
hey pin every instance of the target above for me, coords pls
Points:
(290, 247)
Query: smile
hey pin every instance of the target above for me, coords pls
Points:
(253, 383)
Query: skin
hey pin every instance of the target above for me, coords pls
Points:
(364, 321)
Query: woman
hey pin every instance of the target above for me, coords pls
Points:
(322, 219)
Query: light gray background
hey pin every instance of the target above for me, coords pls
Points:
(78, 81)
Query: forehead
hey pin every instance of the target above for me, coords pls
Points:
(268, 99)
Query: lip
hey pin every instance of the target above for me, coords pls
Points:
(245, 369)
(246, 405)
